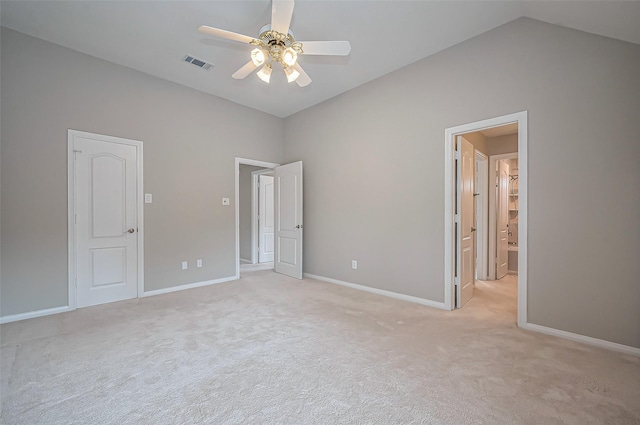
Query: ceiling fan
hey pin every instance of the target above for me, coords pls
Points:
(276, 44)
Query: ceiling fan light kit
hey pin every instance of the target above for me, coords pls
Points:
(257, 56)
(276, 44)
(265, 73)
(291, 74)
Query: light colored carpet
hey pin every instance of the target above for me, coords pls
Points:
(268, 349)
(249, 268)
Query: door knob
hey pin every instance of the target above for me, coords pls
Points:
(473, 229)
(131, 231)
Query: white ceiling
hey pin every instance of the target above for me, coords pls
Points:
(154, 36)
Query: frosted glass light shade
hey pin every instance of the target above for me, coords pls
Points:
(289, 56)
(257, 56)
(292, 74)
(265, 73)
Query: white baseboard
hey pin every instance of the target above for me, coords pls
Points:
(32, 314)
(584, 339)
(187, 286)
(245, 261)
(382, 292)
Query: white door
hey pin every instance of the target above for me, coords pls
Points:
(106, 221)
(465, 272)
(265, 219)
(502, 208)
(288, 219)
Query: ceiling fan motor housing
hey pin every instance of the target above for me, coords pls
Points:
(276, 43)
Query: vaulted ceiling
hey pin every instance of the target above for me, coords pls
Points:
(154, 36)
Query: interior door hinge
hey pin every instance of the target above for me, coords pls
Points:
(458, 155)
(456, 218)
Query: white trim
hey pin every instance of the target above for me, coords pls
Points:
(583, 339)
(523, 217)
(245, 261)
(482, 232)
(187, 286)
(71, 234)
(493, 231)
(32, 314)
(71, 199)
(244, 161)
(254, 212)
(403, 297)
(449, 202)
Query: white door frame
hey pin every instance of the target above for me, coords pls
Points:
(71, 209)
(482, 241)
(449, 204)
(254, 211)
(257, 163)
(493, 230)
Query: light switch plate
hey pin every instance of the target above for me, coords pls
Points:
(199, 262)
(225, 201)
(184, 265)
(148, 198)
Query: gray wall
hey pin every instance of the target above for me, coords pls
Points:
(502, 144)
(190, 142)
(374, 171)
(244, 201)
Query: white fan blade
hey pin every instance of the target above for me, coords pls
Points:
(247, 69)
(303, 80)
(217, 32)
(337, 48)
(281, 11)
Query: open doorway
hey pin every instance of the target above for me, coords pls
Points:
(504, 211)
(472, 220)
(255, 215)
(248, 174)
(287, 219)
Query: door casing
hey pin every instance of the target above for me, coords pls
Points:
(71, 210)
(449, 205)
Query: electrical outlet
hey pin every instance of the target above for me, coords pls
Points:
(354, 264)
(185, 266)
(199, 262)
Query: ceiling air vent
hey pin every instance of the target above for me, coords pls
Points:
(197, 62)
